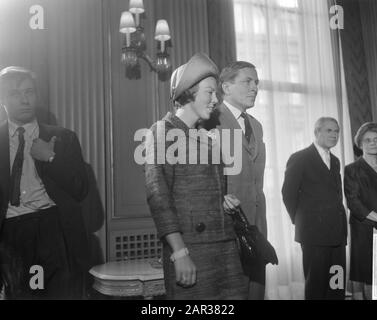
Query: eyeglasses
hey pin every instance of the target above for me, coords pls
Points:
(18, 94)
(368, 140)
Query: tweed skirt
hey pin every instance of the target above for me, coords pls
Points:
(219, 273)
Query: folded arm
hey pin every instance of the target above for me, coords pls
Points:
(291, 185)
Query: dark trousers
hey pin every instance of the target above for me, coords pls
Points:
(36, 239)
(257, 282)
(322, 274)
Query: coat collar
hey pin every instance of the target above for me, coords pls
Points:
(325, 172)
(31, 129)
(176, 122)
(45, 135)
(230, 122)
(366, 166)
(44, 132)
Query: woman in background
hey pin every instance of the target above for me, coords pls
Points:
(360, 187)
(200, 256)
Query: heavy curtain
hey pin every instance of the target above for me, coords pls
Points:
(368, 15)
(356, 65)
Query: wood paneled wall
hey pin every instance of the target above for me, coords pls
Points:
(83, 87)
(139, 103)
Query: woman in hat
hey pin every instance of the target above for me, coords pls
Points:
(360, 187)
(186, 195)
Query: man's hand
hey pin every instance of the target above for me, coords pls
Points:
(185, 271)
(42, 150)
(230, 203)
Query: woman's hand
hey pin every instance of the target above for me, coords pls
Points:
(230, 203)
(185, 271)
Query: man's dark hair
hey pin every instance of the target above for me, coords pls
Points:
(230, 72)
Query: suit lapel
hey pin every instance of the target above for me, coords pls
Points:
(4, 161)
(44, 135)
(253, 140)
(228, 121)
(334, 169)
(326, 173)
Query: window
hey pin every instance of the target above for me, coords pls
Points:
(289, 42)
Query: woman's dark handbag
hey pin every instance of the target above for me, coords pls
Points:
(254, 247)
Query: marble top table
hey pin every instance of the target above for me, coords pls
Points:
(130, 278)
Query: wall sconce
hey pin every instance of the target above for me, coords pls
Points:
(134, 46)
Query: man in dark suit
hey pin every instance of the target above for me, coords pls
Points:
(239, 88)
(312, 194)
(42, 181)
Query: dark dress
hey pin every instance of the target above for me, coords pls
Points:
(188, 198)
(360, 187)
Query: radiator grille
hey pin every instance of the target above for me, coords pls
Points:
(134, 244)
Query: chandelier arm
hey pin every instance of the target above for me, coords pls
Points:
(149, 60)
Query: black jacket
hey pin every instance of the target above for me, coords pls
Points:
(66, 183)
(312, 195)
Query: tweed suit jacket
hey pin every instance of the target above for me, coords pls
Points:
(184, 197)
